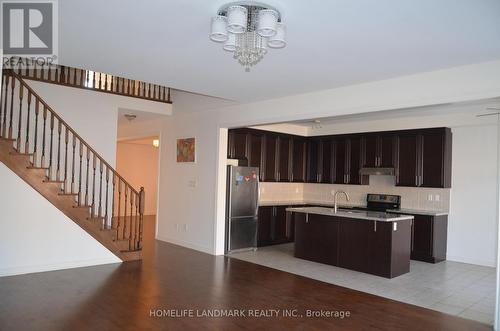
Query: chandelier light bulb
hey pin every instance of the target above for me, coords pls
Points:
(219, 29)
(237, 19)
(230, 44)
(279, 39)
(266, 22)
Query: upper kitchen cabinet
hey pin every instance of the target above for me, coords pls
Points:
(424, 158)
(378, 150)
(313, 151)
(299, 159)
(255, 151)
(284, 158)
(407, 160)
(436, 158)
(340, 161)
(237, 144)
(353, 160)
(271, 157)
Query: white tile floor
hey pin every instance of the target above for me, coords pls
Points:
(455, 288)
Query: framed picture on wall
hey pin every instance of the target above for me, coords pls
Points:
(186, 150)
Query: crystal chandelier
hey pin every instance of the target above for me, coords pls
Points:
(248, 29)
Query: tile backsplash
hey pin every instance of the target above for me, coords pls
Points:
(411, 197)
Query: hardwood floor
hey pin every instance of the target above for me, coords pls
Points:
(122, 296)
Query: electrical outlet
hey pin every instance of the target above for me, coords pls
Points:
(192, 183)
(429, 197)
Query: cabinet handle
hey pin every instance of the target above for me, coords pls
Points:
(307, 218)
(374, 226)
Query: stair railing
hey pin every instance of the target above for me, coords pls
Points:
(93, 80)
(38, 131)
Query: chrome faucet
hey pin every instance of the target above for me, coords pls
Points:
(335, 198)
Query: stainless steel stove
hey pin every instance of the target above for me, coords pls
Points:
(381, 202)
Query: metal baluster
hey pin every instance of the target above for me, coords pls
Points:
(74, 76)
(35, 147)
(93, 79)
(56, 73)
(128, 87)
(73, 167)
(66, 139)
(169, 100)
(106, 82)
(61, 77)
(3, 128)
(51, 143)
(100, 80)
(27, 142)
(35, 74)
(112, 82)
(80, 175)
(49, 73)
(93, 185)
(42, 162)
(59, 129)
(21, 92)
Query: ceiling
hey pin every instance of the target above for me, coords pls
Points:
(330, 43)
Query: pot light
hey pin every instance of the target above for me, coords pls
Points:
(156, 143)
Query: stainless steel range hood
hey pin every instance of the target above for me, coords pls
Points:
(377, 171)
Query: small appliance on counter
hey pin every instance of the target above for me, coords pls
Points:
(242, 205)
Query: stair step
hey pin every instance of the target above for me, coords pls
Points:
(47, 180)
(35, 167)
(7, 139)
(68, 194)
(16, 153)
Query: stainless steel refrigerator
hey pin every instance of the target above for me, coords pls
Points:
(242, 208)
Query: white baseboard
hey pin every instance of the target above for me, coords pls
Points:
(484, 263)
(21, 270)
(186, 244)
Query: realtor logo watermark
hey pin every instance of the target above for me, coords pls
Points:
(29, 32)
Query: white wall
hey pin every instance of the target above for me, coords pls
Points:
(473, 226)
(138, 164)
(40, 237)
(201, 207)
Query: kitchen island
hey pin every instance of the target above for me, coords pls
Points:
(373, 242)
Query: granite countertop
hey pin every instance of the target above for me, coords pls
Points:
(330, 204)
(355, 214)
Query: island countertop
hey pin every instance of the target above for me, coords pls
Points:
(357, 214)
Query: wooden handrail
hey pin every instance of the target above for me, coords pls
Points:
(29, 122)
(21, 80)
(81, 78)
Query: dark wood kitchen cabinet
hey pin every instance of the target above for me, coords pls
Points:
(424, 158)
(237, 144)
(271, 158)
(407, 168)
(378, 150)
(274, 226)
(316, 238)
(429, 238)
(421, 158)
(313, 151)
(299, 159)
(255, 152)
(379, 248)
(284, 158)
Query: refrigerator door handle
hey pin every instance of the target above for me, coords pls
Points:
(258, 201)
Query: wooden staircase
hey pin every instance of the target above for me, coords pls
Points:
(49, 155)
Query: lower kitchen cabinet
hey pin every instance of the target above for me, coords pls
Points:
(316, 238)
(274, 226)
(378, 248)
(429, 238)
